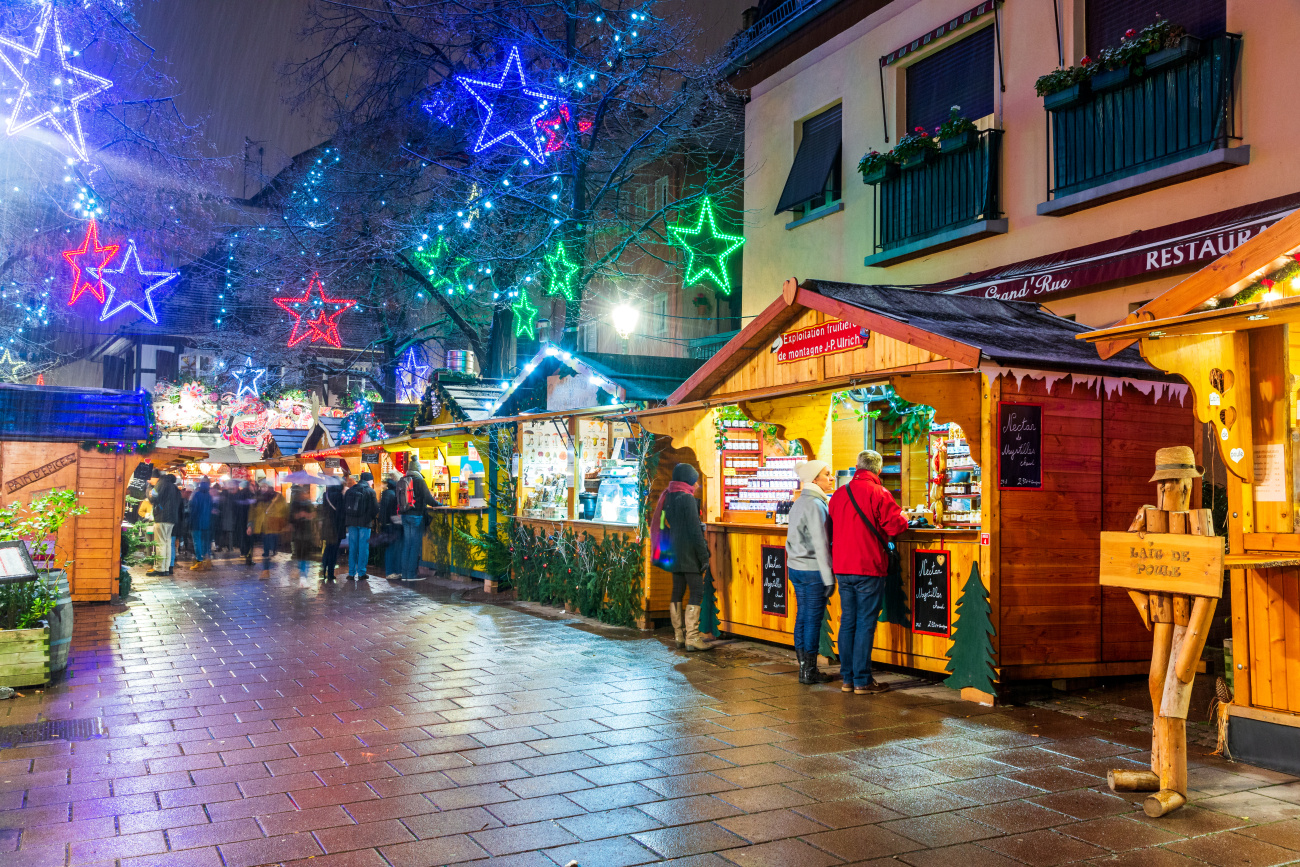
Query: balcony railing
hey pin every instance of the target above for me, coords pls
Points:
(948, 192)
(1158, 118)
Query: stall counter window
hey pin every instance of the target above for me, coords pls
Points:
(546, 469)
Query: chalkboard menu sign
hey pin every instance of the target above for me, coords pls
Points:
(774, 584)
(930, 608)
(138, 488)
(1020, 446)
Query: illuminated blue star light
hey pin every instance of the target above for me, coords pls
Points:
(52, 89)
(247, 377)
(128, 284)
(412, 377)
(507, 102)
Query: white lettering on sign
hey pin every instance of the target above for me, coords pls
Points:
(825, 339)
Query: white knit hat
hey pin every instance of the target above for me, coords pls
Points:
(809, 470)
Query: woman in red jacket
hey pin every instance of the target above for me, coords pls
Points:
(864, 518)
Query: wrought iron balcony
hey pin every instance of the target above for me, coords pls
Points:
(951, 198)
(1135, 122)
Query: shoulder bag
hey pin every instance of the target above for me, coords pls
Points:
(894, 571)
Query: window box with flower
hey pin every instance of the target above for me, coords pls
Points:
(877, 167)
(915, 149)
(957, 133)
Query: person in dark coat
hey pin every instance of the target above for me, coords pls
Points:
(302, 517)
(679, 512)
(224, 504)
(182, 537)
(413, 501)
(388, 524)
(359, 509)
(166, 502)
(332, 529)
(243, 499)
(201, 525)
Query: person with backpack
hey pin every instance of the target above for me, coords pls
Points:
(166, 501)
(359, 508)
(201, 508)
(332, 529)
(865, 519)
(389, 528)
(685, 552)
(808, 561)
(414, 500)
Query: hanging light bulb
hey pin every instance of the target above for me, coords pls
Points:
(624, 318)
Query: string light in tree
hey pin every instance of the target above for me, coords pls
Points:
(562, 270)
(556, 129)
(89, 247)
(360, 421)
(525, 316)
(51, 90)
(707, 249)
(433, 261)
(507, 102)
(247, 378)
(312, 319)
(131, 286)
(412, 376)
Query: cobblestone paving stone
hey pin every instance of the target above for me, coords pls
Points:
(256, 722)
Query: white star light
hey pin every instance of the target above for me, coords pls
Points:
(412, 378)
(242, 373)
(52, 88)
(113, 303)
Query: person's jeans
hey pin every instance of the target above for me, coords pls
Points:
(412, 545)
(163, 551)
(860, 598)
(270, 544)
(202, 544)
(329, 558)
(393, 552)
(358, 550)
(810, 597)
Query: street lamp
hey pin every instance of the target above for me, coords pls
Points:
(624, 318)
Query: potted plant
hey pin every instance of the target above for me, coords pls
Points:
(1176, 45)
(957, 133)
(1065, 88)
(877, 167)
(915, 149)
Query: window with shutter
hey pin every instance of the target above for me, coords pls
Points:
(959, 75)
(815, 177)
(165, 367)
(659, 310)
(661, 194)
(1105, 21)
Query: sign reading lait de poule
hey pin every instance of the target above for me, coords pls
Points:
(825, 339)
(1163, 563)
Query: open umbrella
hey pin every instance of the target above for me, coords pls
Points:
(302, 477)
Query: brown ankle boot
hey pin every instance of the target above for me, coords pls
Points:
(679, 631)
(694, 641)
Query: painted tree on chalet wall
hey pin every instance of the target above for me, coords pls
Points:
(970, 658)
(490, 155)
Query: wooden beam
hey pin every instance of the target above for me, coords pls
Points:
(1259, 253)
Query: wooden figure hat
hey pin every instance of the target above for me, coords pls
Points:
(1176, 462)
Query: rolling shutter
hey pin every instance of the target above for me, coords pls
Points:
(818, 151)
(1107, 20)
(961, 74)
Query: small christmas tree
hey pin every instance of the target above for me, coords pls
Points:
(827, 646)
(360, 424)
(893, 606)
(970, 660)
(709, 607)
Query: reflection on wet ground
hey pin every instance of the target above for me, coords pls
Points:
(278, 721)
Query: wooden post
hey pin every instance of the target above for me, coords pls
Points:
(1157, 520)
(1133, 781)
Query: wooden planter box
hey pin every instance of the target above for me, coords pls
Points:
(880, 174)
(24, 656)
(1112, 79)
(1068, 98)
(959, 142)
(1188, 46)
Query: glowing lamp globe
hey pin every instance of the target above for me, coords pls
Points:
(624, 318)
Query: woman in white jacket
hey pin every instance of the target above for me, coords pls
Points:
(808, 560)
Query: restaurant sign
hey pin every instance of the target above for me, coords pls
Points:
(1140, 255)
(825, 339)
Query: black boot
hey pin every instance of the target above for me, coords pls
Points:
(815, 674)
(803, 666)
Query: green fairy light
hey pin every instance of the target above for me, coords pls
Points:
(707, 249)
(562, 270)
(525, 316)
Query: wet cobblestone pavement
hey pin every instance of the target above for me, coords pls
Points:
(254, 722)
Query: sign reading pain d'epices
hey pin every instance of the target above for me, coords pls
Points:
(1020, 446)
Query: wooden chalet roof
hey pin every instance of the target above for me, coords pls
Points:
(964, 331)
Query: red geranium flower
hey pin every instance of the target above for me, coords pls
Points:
(1130, 33)
(1086, 61)
(919, 129)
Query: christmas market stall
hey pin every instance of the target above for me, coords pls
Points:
(1009, 449)
(454, 460)
(87, 440)
(583, 476)
(1232, 332)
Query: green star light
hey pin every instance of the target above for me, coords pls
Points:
(433, 261)
(562, 270)
(707, 249)
(525, 316)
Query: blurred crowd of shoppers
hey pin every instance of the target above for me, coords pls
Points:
(240, 516)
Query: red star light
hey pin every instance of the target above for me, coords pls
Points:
(320, 324)
(90, 246)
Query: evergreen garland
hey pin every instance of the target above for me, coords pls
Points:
(601, 578)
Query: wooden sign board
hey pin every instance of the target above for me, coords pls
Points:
(1020, 446)
(930, 608)
(774, 581)
(1163, 563)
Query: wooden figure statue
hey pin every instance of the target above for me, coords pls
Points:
(1172, 565)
